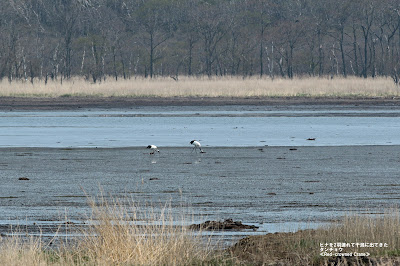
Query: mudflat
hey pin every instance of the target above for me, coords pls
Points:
(272, 187)
(70, 103)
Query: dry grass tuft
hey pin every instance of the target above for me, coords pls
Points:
(206, 87)
(16, 251)
(117, 237)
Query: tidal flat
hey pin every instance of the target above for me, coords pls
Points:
(275, 188)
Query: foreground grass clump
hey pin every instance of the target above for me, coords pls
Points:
(15, 251)
(305, 247)
(115, 238)
(206, 87)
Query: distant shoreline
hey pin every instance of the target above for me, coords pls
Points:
(75, 102)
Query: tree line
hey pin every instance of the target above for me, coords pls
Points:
(121, 39)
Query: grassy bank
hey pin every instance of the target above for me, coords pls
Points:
(355, 240)
(206, 87)
(115, 238)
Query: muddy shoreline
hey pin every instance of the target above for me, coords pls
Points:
(71, 103)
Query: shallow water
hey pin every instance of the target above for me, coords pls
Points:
(238, 126)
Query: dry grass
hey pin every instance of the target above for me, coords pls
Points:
(206, 87)
(303, 247)
(114, 237)
(15, 251)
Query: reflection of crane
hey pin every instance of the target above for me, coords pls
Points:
(197, 145)
(153, 148)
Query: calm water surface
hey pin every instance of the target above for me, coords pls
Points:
(175, 127)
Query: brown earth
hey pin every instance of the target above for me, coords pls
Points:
(70, 103)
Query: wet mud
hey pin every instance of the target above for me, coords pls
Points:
(312, 185)
(74, 103)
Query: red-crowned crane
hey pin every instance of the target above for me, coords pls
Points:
(197, 145)
(153, 148)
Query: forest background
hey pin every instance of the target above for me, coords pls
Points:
(121, 39)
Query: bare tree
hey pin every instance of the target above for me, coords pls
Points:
(99, 38)
(291, 29)
(211, 25)
(367, 18)
(155, 22)
(339, 19)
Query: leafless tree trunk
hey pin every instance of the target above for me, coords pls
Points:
(368, 16)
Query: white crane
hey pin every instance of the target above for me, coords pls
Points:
(153, 148)
(197, 145)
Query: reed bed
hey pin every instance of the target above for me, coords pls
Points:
(206, 87)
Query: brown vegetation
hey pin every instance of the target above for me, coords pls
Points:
(206, 87)
(117, 237)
